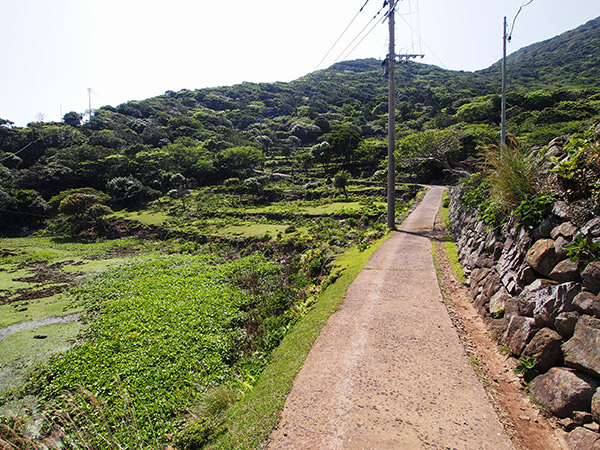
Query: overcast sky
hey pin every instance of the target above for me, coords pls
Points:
(54, 50)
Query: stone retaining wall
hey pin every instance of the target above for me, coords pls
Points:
(544, 305)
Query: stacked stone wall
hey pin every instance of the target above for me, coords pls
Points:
(541, 304)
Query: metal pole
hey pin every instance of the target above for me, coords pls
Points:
(503, 113)
(391, 200)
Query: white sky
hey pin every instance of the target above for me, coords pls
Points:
(53, 50)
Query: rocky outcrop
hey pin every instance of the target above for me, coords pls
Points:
(545, 304)
(583, 439)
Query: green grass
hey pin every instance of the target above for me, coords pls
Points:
(23, 311)
(251, 419)
(88, 267)
(452, 252)
(20, 351)
(145, 217)
(450, 246)
(38, 249)
(8, 276)
(21, 347)
(302, 208)
(252, 230)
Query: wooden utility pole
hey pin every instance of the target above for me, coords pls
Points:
(390, 68)
(391, 59)
(503, 108)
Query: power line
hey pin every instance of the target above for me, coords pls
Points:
(362, 39)
(421, 41)
(16, 153)
(515, 19)
(358, 35)
(419, 27)
(341, 35)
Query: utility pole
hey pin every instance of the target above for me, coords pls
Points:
(90, 103)
(391, 191)
(503, 108)
(390, 69)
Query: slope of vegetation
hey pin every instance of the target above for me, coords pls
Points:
(310, 127)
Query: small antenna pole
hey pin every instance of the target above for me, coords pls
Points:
(90, 103)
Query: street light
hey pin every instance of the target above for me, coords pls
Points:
(506, 37)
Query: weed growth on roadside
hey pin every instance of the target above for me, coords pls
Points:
(526, 368)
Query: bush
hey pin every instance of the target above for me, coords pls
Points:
(579, 172)
(532, 212)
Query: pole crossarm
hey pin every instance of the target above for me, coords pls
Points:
(405, 58)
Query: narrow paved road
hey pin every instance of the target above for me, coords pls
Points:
(388, 370)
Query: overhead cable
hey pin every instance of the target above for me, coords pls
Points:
(515, 19)
(362, 39)
(358, 36)
(16, 153)
(341, 35)
(424, 43)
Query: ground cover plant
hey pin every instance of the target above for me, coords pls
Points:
(37, 315)
(164, 328)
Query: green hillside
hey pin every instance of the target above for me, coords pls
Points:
(328, 120)
(568, 60)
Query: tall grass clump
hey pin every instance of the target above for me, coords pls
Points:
(81, 421)
(508, 183)
(512, 174)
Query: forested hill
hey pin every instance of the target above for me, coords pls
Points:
(328, 120)
(571, 59)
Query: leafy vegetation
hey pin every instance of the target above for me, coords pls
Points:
(583, 249)
(160, 328)
(579, 172)
(509, 183)
(526, 368)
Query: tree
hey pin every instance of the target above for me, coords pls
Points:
(321, 153)
(129, 190)
(437, 147)
(239, 160)
(72, 118)
(340, 181)
(343, 141)
(204, 171)
(21, 208)
(78, 205)
(179, 192)
(6, 123)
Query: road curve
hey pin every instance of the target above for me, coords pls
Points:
(388, 370)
